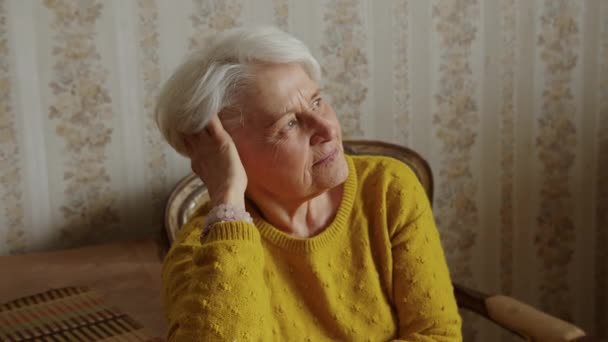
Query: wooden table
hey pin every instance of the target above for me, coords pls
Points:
(127, 274)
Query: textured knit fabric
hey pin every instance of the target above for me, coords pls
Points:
(376, 273)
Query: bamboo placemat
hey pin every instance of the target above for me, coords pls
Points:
(66, 314)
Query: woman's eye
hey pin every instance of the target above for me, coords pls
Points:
(316, 103)
(292, 123)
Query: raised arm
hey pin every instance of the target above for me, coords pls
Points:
(215, 291)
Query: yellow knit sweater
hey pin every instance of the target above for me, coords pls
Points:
(376, 273)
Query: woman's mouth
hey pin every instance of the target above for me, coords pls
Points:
(328, 158)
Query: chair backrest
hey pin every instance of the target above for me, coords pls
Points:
(190, 194)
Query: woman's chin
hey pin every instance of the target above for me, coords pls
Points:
(333, 173)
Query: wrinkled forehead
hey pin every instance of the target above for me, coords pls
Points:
(276, 88)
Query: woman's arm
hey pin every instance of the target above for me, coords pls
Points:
(422, 288)
(215, 291)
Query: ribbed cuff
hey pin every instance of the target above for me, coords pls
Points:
(233, 230)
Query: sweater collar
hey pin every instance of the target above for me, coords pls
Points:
(281, 239)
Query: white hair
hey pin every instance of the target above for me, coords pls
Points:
(209, 80)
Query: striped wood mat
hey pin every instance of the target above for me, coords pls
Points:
(66, 314)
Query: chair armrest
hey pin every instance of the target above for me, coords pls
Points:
(530, 322)
(520, 318)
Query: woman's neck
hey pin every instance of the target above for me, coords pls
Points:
(302, 219)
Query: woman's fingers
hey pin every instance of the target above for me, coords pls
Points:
(215, 129)
(214, 132)
(215, 159)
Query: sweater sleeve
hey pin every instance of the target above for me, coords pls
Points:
(422, 289)
(215, 291)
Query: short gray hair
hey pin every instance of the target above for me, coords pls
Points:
(209, 80)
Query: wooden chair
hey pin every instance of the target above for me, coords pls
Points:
(190, 195)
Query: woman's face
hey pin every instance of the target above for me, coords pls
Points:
(290, 141)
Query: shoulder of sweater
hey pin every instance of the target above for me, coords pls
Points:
(376, 163)
(393, 173)
(403, 197)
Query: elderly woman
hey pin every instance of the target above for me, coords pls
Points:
(302, 242)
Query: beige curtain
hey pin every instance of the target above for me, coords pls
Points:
(507, 99)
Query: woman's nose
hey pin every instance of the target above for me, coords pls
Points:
(324, 131)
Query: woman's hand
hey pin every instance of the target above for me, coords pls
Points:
(216, 161)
